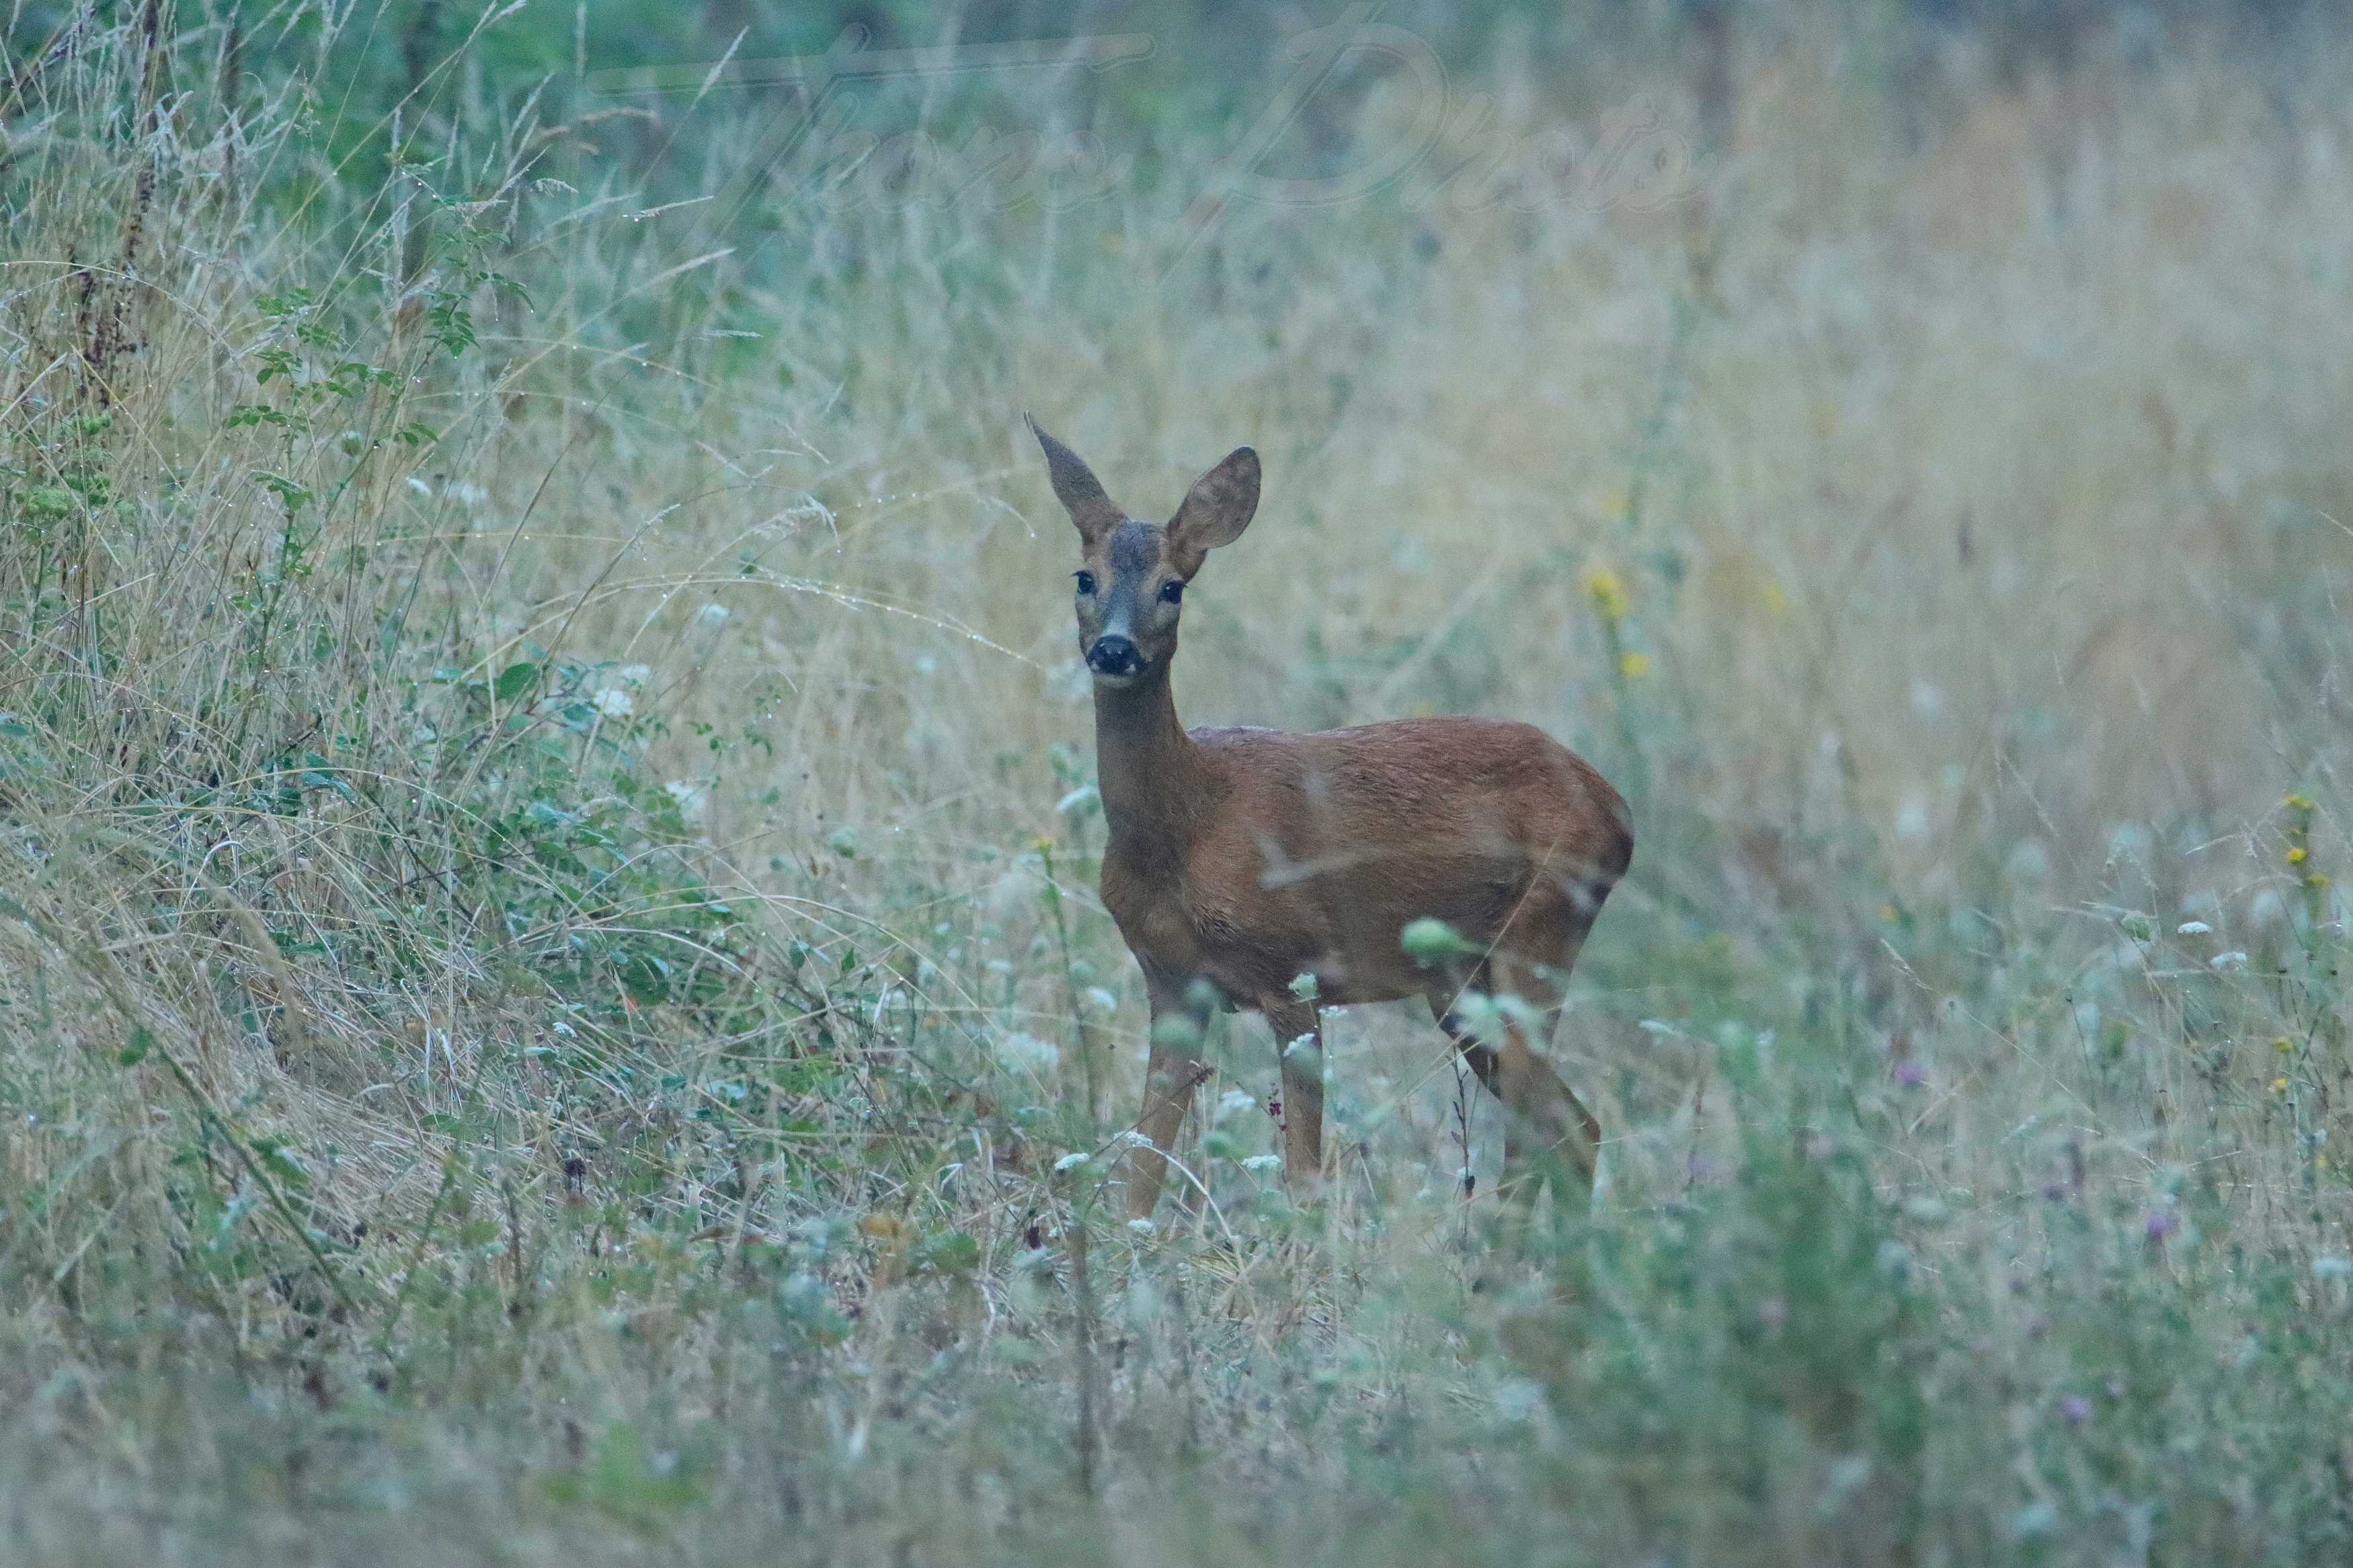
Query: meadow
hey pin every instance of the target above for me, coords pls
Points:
(553, 1002)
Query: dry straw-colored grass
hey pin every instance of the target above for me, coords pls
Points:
(1937, 518)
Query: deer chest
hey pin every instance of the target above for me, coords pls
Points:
(1179, 929)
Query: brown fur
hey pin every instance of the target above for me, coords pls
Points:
(1247, 857)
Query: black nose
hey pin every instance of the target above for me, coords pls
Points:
(1114, 656)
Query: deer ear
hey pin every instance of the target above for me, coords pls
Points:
(1217, 508)
(1076, 487)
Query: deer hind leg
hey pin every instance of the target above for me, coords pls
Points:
(1299, 1043)
(1561, 1136)
(1548, 1133)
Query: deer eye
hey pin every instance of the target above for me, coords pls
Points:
(1086, 583)
(1171, 591)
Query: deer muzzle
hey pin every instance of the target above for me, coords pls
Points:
(1114, 655)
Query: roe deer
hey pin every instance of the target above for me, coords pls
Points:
(1247, 857)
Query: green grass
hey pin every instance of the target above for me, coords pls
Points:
(549, 972)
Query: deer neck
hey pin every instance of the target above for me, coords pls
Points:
(1150, 772)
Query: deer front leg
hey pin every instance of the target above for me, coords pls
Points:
(1299, 1042)
(1172, 1072)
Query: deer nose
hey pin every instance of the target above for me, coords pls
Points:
(1114, 655)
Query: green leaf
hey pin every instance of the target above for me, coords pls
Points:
(1428, 941)
(646, 979)
(281, 1162)
(286, 490)
(135, 1051)
(291, 302)
(950, 1252)
(515, 679)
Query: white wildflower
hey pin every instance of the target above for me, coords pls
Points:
(1262, 1162)
(2192, 928)
(1518, 1009)
(615, 703)
(1069, 1162)
(1027, 1053)
(1516, 1399)
(711, 617)
(636, 675)
(1013, 891)
(2028, 862)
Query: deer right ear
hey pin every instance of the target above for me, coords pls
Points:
(1217, 508)
(1076, 487)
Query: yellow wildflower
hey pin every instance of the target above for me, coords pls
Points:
(2279, 1086)
(2296, 856)
(1635, 665)
(1607, 591)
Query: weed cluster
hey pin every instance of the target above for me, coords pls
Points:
(551, 998)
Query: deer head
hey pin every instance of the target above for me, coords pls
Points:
(1132, 574)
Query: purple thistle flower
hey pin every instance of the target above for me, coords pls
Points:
(2076, 1409)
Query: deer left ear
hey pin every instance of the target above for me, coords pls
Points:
(1217, 508)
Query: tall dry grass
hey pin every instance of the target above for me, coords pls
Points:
(551, 946)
